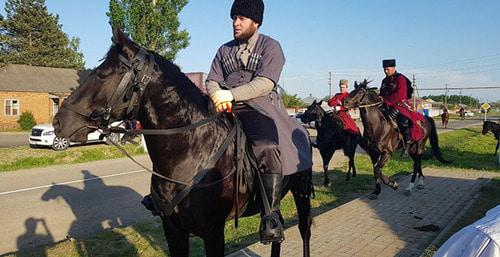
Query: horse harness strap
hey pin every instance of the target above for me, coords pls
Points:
(136, 78)
(370, 105)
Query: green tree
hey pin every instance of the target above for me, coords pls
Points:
(291, 101)
(153, 24)
(455, 99)
(30, 35)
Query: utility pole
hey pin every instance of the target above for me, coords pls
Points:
(414, 93)
(460, 97)
(446, 95)
(330, 83)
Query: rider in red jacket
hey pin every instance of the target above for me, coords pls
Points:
(336, 102)
(394, 93)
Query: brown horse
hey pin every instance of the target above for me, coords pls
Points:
(382, 139)
(196, 153)
(445, 116)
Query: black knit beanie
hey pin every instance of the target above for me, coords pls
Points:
(253, 9)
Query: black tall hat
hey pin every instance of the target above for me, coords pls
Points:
(389, 63)
(253, 9)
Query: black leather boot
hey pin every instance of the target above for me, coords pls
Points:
(404, 127)
(271, 228)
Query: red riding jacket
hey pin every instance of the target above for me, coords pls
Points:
(394, 93)
(349, 124)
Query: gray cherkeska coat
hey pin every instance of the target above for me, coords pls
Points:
(266, 60)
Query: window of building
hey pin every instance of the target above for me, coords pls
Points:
(11, 107)
(55, 106)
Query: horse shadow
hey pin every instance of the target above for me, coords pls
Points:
(100, 208)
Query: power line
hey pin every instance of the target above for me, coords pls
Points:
(458, 88)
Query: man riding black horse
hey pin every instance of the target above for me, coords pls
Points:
(243, 79)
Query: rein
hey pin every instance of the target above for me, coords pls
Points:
(370, 105)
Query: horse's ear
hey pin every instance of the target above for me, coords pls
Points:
(356, 85)
(320, 102)
(122, 41)
(314, 101)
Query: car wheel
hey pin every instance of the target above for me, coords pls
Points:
(114, 137)
(60, 143)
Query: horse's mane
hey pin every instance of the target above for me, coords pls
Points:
(372, 92)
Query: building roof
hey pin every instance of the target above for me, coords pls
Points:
(16, 77)
(310, 99)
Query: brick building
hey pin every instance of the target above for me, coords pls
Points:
(39, 90)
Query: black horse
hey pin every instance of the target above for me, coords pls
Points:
(331, 136)
(382, 139)
(196, 186)
(495, 129)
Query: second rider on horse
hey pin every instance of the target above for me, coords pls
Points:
(336, 102)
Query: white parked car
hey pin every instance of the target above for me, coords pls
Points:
(43, 135)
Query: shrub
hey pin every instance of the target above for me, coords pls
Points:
(26, 121)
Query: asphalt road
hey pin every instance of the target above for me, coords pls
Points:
(10, 139)
(41, 206)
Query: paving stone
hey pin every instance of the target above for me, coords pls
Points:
(385, 227)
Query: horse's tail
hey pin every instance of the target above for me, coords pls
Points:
(433, 137)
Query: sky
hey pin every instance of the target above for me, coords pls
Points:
(442, 42)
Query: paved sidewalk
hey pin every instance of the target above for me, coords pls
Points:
(385, 227)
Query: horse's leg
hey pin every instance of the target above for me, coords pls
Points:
(301, 187)
(348, 150)
(496, 149)
(177, 240)
(326, 155)
(351, 167)
(420, 183)
(411, 185)
(214, 242)
(375, 158)
(380, 165)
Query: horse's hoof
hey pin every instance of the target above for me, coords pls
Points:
(407, 192)
(327, 184)
(420, 187)
(373, 197)
(395, 186)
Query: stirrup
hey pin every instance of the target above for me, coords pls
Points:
(271, 229)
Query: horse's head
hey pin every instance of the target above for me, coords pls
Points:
(111, 92)
(487, 125)
(313, 112)
(362, 95)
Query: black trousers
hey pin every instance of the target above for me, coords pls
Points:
(262, 134)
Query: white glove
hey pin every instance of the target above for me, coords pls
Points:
(226, 106)
(337, 108)
(221, 96)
